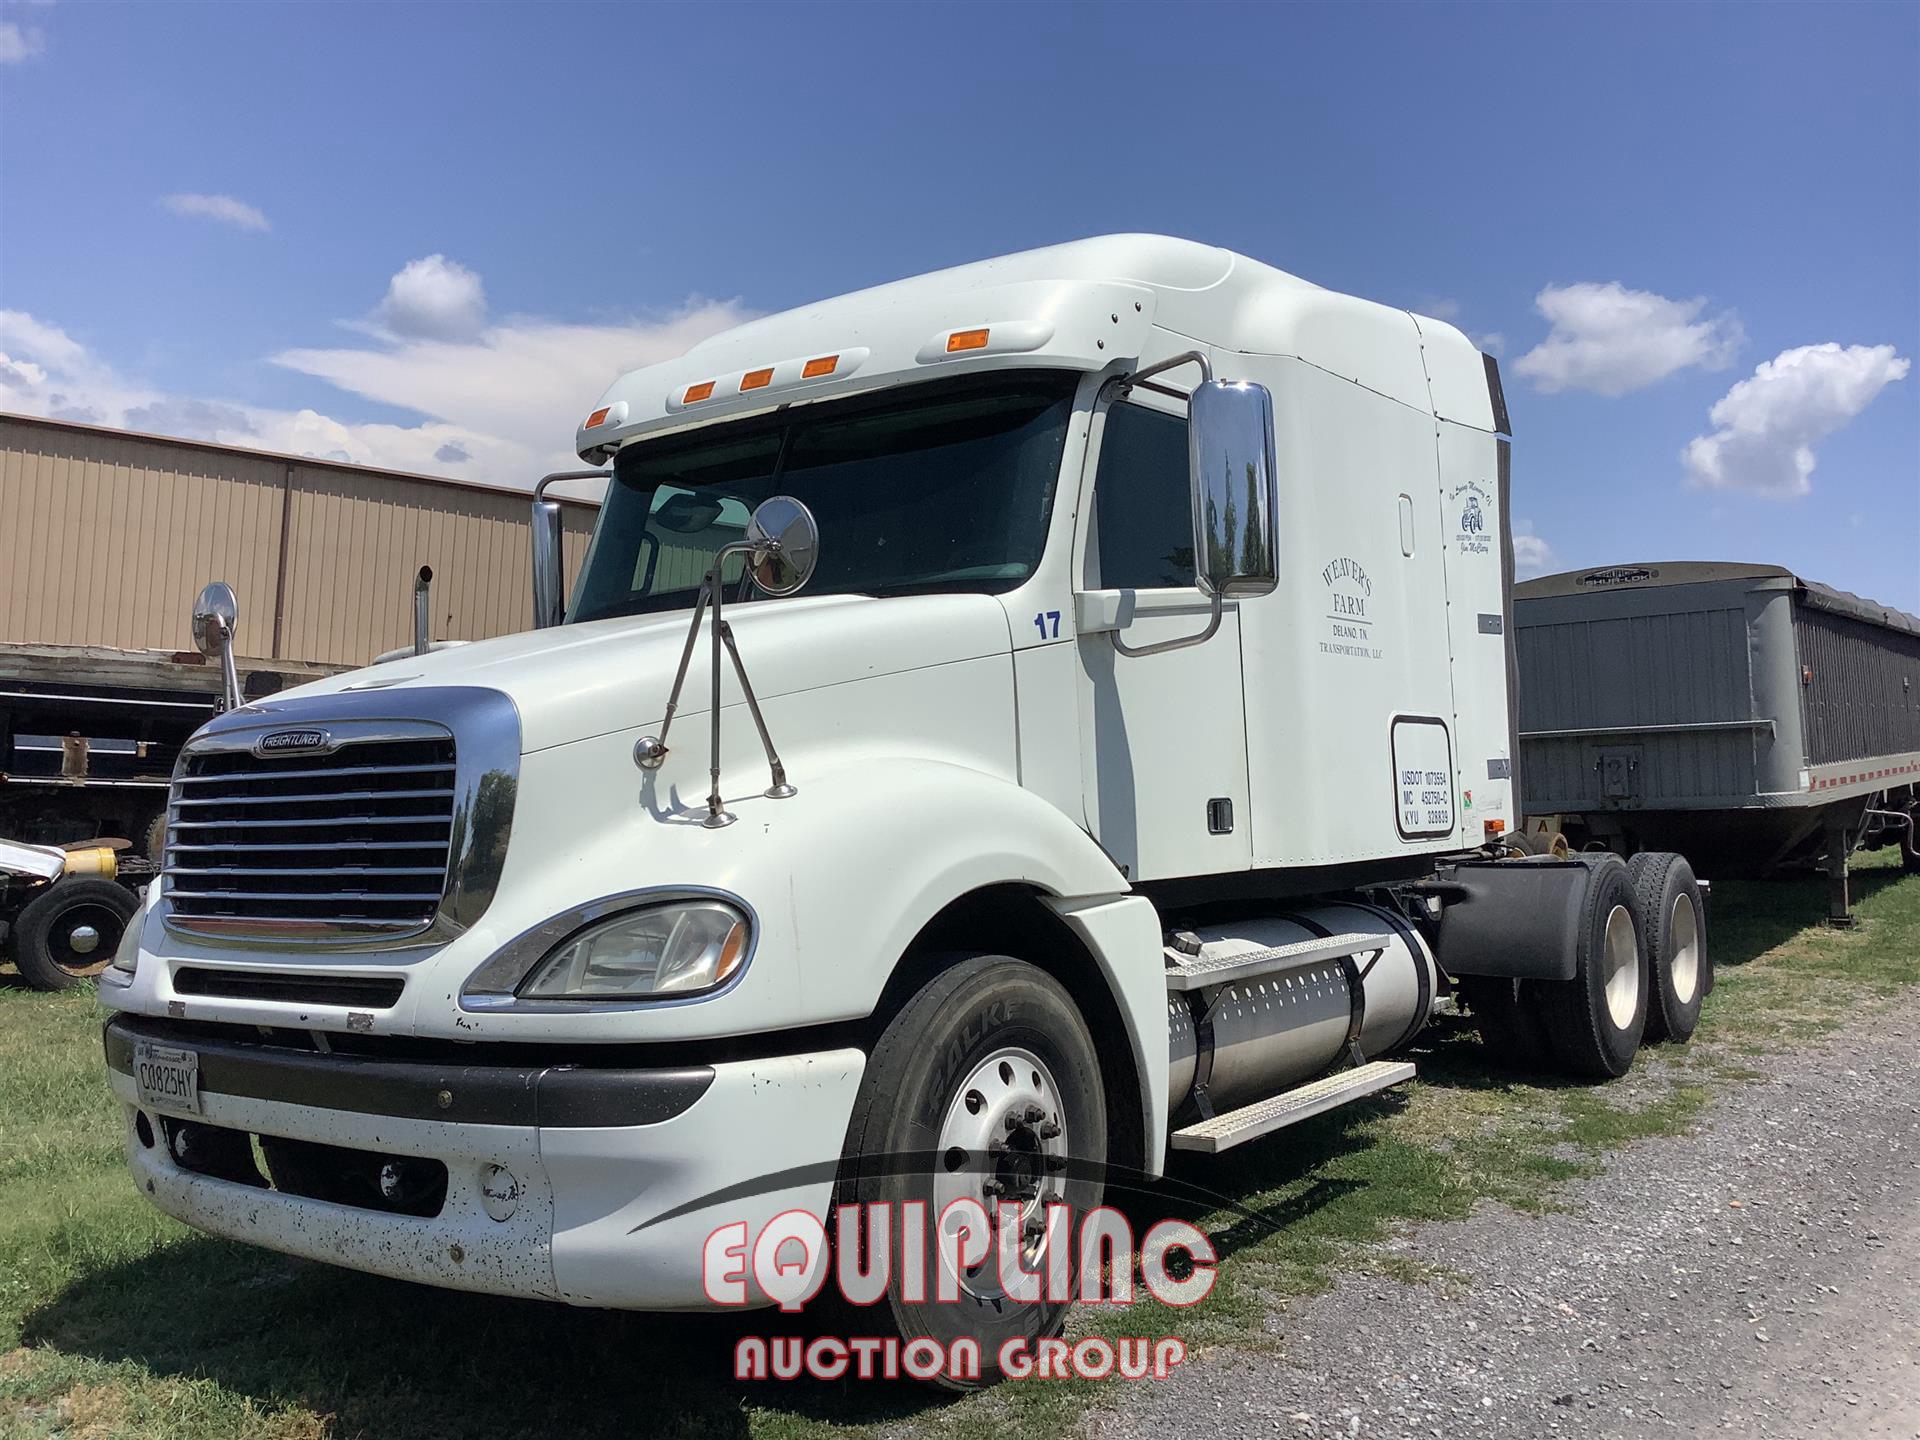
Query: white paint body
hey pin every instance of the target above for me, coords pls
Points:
(36, 862)
(940, 744)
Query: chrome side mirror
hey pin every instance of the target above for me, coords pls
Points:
(783, 545)
(549, 563)
(1230, 453)
(216, 614)
(1236, 503)
(548, 603)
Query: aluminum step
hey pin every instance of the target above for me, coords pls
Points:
(1263, 1117)
(1199, 972)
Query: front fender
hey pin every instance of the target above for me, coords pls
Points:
(840, 877)
(898, 841)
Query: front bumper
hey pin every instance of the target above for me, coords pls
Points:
(590, 1155)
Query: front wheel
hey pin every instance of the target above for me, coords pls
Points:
(988, 1079)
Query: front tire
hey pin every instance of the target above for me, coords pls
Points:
(990, 1056)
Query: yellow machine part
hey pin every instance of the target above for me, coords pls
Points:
(96, 860)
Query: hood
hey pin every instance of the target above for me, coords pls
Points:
(578, 681)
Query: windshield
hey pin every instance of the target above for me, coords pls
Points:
(944, 487)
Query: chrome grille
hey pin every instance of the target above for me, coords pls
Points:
(353, 841)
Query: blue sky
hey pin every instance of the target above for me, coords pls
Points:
(426, 235)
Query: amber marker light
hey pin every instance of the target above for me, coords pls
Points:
(696, 393)
(814, 369)
(732, 951)
(598, 418)
(757, 379)
(966, 340)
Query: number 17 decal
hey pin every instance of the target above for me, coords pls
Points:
(1043, 620)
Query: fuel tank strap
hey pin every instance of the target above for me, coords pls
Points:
(1356, 991)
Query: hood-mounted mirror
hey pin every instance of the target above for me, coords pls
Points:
(782, 547)
(216, 616)
(785, 546)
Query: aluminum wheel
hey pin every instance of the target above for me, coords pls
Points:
(1623, 968)
(1684, 930)
(1004, 1140)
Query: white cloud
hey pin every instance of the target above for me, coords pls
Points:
(194, 419)
(1609, 339)
(47, 344)
(22, 373)
(222, 208)
(1440, 308)
(527, 382)
(502, 406)
(50, 373)
(1531, 555)
(19, 42)
(435, 299)
(1492, 342)
(1766, 426)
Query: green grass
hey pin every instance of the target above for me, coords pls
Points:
(117, 1322)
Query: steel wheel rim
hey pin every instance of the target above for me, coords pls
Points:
(83, 937)
(994, 1149)
(1622, 952)
(1683, 931)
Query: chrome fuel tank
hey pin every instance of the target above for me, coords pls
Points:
(1274, 1031)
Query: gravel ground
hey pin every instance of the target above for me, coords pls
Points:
(1760, 1276)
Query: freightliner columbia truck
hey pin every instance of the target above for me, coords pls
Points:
(1038, 716)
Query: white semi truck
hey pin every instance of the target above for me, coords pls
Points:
(1131, 773)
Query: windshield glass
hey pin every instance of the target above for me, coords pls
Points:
(944, 487)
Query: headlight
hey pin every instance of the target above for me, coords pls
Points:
(676, 949)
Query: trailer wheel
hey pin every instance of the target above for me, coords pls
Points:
(1666, 902)
(989, 1072)
(1506, 1012)
(1595, 1020)
(70, 930)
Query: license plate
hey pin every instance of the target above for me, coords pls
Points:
(166, 1078)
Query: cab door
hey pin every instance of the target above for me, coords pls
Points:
(1164, 742)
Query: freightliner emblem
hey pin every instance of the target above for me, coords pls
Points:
(282, 741)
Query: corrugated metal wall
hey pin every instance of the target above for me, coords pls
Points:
(1861, 695)
(105, 538)
(1621, 672)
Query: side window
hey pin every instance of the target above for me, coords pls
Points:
(1142, 505)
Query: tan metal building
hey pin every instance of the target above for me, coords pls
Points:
(106, 536)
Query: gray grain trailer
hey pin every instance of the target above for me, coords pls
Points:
(1747, 718)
